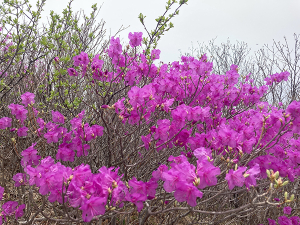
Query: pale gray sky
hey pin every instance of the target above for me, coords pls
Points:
(252, 21)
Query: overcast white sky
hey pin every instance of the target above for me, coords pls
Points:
(252, 21)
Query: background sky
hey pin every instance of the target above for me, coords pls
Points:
(255, 22)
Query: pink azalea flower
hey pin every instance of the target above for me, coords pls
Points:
(235, 177)
(135, 39)
(65, 154)
(27, 98)
(188, 193)
(19, 211)
(81, 59)
(207, 173)
(5, 122)
(20, 179)
(283, 220)
(57, 117)
(22, 132)
(9, 208)
(272, 222)
(19, 111)
(72, 72)
(251, 179)
(93, 207)
(155, 54)
(157, 174)
(136, 199)
(287, 210)
(138, 187)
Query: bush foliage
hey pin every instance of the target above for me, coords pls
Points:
(93, 132)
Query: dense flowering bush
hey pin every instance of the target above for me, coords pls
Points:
(214, 125)
(144, 142)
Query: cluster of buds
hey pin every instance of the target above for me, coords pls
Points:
(286, 200)
(274, 177)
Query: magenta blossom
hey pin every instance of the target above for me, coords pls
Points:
(188, 193)
(135, 39)
(9, 208)
(57, 117)
(251, 179)
(93, 207)
(207, 173)
(22, 131)
(81, 59)
(283, 220)
(5, 122)
(155, 54)
(30, 156)
(19, 111)
(235, 177)
(19, 212)
(72, 72)
(27, 98)
(20, 179)
(287, 210)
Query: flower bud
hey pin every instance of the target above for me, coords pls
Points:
(105, 106)
(276, 174)
(278, 182)
(246, 175)
(268, 173)
(284, 183)
(292, 197)
(285, 195)
(114, 184)
(71, 177)
(196, 181)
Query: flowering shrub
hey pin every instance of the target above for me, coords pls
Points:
(144, 143)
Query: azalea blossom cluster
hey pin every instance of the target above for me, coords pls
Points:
(216, 125)
(283, 220)
(10, 208)
(277, 77)
(91, 193)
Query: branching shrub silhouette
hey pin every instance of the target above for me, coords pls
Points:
(105, 136)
